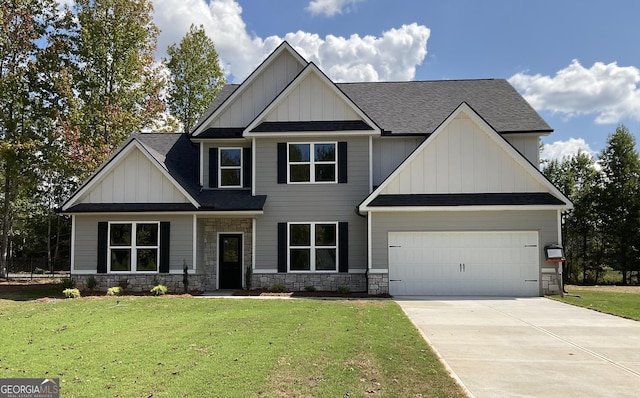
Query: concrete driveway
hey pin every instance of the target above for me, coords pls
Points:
(530, 347)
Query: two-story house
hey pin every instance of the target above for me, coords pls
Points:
(419, 187)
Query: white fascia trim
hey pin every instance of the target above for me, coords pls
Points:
(247, 82)
(73, 243)
(195, 242)
(219, 214)
(253, 167)
(378, 271)
(253, 244)
(369, 240)
(500, 140)
(456, 208)
(342, 133)
(201, 168)
(310, 68)
(171, 272)
(134, 143)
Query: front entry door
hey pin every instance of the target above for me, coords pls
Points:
(230, 261)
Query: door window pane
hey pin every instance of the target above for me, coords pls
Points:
(230, 250)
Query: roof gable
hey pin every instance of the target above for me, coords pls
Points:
(135, 174)
(242, 104)
(465, 156)
(311, 100)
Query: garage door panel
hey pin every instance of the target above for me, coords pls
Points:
(464, 263)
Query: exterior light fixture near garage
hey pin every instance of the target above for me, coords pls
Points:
(554, 253)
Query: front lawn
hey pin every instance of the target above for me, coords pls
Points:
(611, 302)
(199, 347)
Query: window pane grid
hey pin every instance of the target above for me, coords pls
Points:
(141, 251)
(313, 246)
(230, 167)
(312, 163)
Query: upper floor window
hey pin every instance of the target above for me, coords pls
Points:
(230, 167)
(312, 162)
(133, 246)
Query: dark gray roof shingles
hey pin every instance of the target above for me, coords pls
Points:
(419, 107)
(467, 199)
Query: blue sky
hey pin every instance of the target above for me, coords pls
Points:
(577, 62)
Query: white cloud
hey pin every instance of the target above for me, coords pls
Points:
(609, 91)
(392, 56)
(559, 150)
(330, 7)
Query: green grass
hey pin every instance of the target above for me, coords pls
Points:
(622, 304)
(194, 347)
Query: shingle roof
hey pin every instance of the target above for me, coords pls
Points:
(467, 199)
(418, 107)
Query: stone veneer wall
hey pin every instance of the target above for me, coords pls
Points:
(298, 281)
(212, 227)
(141, 283)
(378, 283)
(551, 283)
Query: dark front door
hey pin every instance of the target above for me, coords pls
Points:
(230, 261)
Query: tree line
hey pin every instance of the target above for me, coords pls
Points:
(75, 82)
(602, 232)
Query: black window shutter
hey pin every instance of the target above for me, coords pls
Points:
(342, 162)
(103, 231)
(164, 247)
(213, 167)
(282, 162)
(282, 247)
(246, 167)
(343, 247)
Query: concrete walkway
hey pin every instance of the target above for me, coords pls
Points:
(530, 347)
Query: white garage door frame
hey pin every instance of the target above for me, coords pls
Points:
(464, 263)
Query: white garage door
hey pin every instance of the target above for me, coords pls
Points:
(464, 263)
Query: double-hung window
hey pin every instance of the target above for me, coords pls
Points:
(230, 167)
(313, 246)
(312, 162)
(133, 246)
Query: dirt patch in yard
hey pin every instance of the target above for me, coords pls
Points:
(263, 293)
(605, 288)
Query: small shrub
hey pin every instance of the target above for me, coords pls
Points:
(71, 293)
(159, 290)
(68, 283)
(91, 283)
(278, 288)
(185, 276)
(309, 288)
(115, 291)
(247, 276)
(344, 290)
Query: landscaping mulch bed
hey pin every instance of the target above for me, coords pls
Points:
(327, 294)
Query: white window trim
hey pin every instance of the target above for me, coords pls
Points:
(312, 162)
(133, 247)
(312, 247)
(221, 167)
